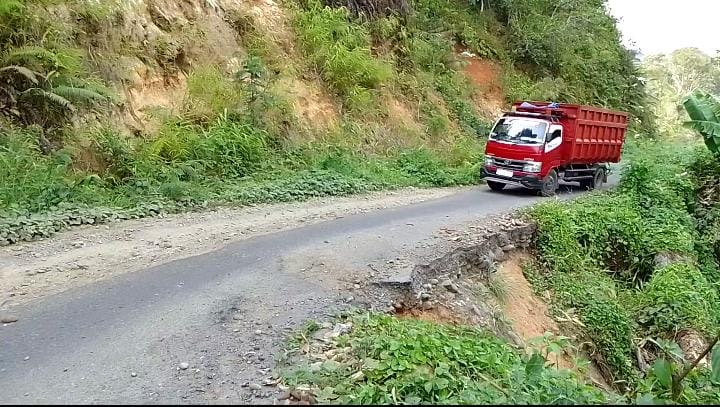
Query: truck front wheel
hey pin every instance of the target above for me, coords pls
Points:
(549, 184)
(496, 186)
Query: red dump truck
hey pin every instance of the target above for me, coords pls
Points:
(538, 144)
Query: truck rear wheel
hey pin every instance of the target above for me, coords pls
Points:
(496, 186)
(549, 184)
(595, 182)
(598, 178)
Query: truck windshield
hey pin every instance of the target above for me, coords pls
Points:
(518, 130)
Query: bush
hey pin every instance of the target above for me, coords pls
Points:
(679, 297)
(340, 50)
(415, 362)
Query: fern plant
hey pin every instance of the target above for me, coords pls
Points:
(30, 96)
(704, 111)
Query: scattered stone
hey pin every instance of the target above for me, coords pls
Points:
(26, 358)
(450, 286)
(424, 296)
(255, 386)
(258, 332)
(133, 374)
(184, 365)
(434, 281)
(8, 319)
(284, 395)
(78, 243)
(508, 248)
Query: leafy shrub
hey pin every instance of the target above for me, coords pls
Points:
(233, 148)
(421, 165)
(340, 50)
(410, 361)
(679, 297)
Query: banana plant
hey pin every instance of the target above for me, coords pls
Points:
(704, 111)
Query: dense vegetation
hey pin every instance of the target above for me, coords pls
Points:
(384, 360)
(640, 262)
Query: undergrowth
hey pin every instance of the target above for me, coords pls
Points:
(384, 360)
(633, 263)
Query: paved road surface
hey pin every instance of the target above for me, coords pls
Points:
(223, 313)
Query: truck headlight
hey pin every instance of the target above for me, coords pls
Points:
(532, 166)
(489, 160)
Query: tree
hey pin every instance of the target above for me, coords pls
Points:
(672, 77)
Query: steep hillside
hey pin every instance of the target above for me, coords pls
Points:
(150, 105)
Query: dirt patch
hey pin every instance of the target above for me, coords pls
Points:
(485, 75)
(311, 103)
(530, 316)
(399, 112)
(528, 313)
(438, 314)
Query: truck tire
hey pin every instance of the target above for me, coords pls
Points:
(598, 178)
(595, 182)
(549, 184)
(496, 186)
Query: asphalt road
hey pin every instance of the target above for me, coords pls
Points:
(224, 313)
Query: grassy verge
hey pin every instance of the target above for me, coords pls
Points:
(384, 360)
(190, 167)
(602, 257)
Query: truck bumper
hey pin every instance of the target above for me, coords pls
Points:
(519, 179)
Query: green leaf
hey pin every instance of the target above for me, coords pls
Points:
(715, 360)
(535, 365)
(662, 369)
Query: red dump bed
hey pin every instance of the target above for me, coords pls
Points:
(591, 134)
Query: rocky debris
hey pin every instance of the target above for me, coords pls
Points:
(183, 366)
(8, 319)
(450, 286)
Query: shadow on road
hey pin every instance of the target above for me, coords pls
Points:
(565, 189)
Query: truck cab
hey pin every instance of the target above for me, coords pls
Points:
(537, 144)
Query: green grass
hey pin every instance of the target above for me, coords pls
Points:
(186, 166)
(384, 360)
(598, 255)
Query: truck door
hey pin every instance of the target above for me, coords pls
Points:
(553, 144)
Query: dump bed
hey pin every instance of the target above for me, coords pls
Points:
(591, 134)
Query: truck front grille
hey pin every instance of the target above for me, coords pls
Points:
(514, 165)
